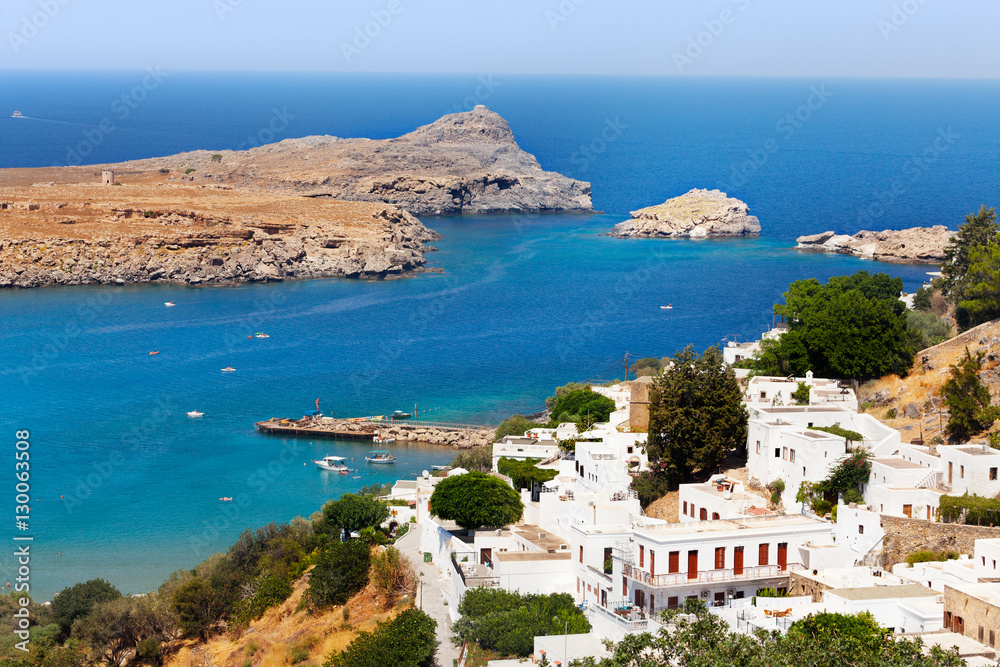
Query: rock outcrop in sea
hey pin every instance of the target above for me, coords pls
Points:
(917, 245)
(462, 163)
(695, 214)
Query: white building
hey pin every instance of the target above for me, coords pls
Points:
(764, 391)
(664, 563)
(720, 498)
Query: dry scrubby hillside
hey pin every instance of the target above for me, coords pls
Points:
(289, 635)
(916, 399)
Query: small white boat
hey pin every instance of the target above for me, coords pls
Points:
(261, 335)
(16, 114)
(168, 304)
(440, 467)
(667, 307)
(379, 440)
(228, 369)
(333, 464)
(380, 456)
(195, 413)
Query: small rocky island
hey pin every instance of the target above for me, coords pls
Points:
(695, 214)
(917, 245)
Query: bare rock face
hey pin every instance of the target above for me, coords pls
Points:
(696, 214)
(917, 245)
(463, 163)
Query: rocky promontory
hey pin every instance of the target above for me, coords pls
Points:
(90, 234)
(462, 163)
(696, 214)
(917, 245)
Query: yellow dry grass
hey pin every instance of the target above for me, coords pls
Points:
(271, 640)
(930, 372)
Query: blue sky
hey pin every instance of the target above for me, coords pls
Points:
(885, 38)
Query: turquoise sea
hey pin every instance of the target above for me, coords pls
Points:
(128, 487)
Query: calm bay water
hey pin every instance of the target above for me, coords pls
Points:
(128, 487)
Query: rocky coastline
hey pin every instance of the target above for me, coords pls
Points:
(916, 245)
(695, 214)
(447, 436)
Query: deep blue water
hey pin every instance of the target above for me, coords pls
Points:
(524, 304)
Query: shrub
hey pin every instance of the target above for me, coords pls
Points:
(562, 391)
(479, 459)
(849, 436)
(507, 622)
(922, 298)
(77, 601)
(926, 556)
(149, 652)
(352, 512)
(650, 486)
(265, 592)
(393, 575)
(775, 497)
(513, 425)
(164, 171)
(779, 485)
(217, 157)
(476, 499)
(341, 571)
(583, 404)
(801, 394)
(927, 328)
(822, 507)
(968, 399)
(189, 171)
(647, 366)
(771, 593)
(377, 490)
(890, 413)
(408, 640)
(524, 474)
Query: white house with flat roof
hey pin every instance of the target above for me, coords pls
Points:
(763, 391)
(901, 607)
(785, 443)
(663, 564)
(522, 448)
(720, 498)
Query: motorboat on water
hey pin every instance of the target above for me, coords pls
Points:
(228, 369)
(399, 414)
(260, 334)
(154, 352)
(195, 413)
(669, 306)
(168, 304)
(379, 440)
(16, 114)
(333, 464)
(380, 456)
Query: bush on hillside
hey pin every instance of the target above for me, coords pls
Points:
(408, 640)
(196, 608)
(78, 600)
(650, 487)
(341, 572)
(352, 512)
(393, 575)
(927, 328)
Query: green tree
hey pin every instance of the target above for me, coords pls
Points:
(524, 474)
(979, 229)
(579, 404)
(696, 415)
(352, 512)
(408, 640)
(646, 366)
(852, 327)
(927, 328)
(196, 608)
(801, 394)
(341, 572)
(115, 628)
(513, 425)
(922, 298)
(980, 300)
(479, 459)
(475, 499)
(77, 601)
(967, 399)
(562, 391)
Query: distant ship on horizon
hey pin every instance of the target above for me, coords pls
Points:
(16, 114)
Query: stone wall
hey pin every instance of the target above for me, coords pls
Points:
(904, 536)
(639, 404)
(970, 616)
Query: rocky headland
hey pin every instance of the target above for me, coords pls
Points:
(301, 208)
(695, 214)
(463, 163)
(77, 234)
(917, 245)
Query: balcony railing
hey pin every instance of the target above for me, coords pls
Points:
(709, 576)
(629, 617)
(474, 575)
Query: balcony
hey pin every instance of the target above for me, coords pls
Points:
(709, 576)
(473, 574)
(627, 616)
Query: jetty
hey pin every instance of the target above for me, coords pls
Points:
(457, 436)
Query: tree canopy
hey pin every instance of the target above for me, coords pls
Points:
(851, 327)
(823, 640)
(696, 415)
(408, 640)
(78, 600)
(582, 404)
(967, 399)
(971, 271)
(342, 570)
(476, 499)
(352, 512)
(524, 473)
